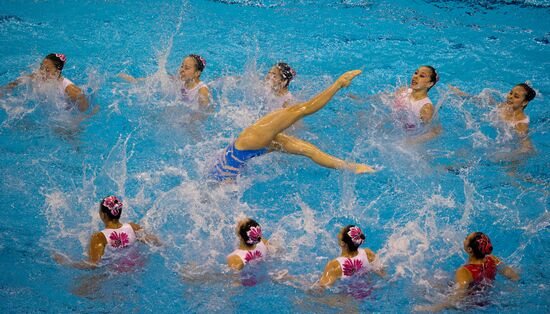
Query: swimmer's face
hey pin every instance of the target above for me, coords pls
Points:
(274, 79)
(516, 97)
(48, 70)
(188, 70)
(421, 79)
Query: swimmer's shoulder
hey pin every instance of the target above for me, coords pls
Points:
(98, 238)
(235, 262)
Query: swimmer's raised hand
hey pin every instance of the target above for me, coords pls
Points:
(346, 78)
(457, 91)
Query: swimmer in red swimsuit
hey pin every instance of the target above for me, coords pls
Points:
(480, 270)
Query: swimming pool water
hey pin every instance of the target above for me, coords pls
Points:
(144, 147)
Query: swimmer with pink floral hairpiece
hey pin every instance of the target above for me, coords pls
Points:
(193, 90)
(114, 241)
(50, 71)
(352, 260)
(252, 245)
(278, 79)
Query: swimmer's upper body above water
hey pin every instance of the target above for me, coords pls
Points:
(512, 110)
(252, 245)
(414, 106)
(113, 241)
(266, 135)
(50, 73)
(415, 97)
(193, 90)
(411, 107)
(352, 260)
(479, 272)
(278, 79)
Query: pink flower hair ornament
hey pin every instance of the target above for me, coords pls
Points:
(485, 245)
(61, 57)
(293, 72)
(254, 235)
(355, 234)
(202, 61)
(113, 204)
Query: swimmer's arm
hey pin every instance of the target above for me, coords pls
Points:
(235, 262)
(8, 87)
(97, 247)
(458, 91)
(75, 95)
(130, 78)
(378, 269)
(363, 99)
(204, 97)
(426, 113)
(526, 146)
(96, 251)
(463, 279)
(331, 274)
(431, 134)
(522, 128)
(476, 99)
(506, 270)
(144, 236)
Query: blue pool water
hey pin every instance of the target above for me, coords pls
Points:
(144, 147)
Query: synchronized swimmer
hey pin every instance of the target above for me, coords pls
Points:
(193, 90)
(112, 244)
(266, 135)
(50, 72)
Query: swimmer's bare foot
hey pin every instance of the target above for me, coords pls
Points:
(360, 168)
(345, 79)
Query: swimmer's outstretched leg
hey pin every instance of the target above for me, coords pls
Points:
(262, 132)
(292, 145)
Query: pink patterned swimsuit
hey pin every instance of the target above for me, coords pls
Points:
(118, 241)
(247, 256)
(353, 266)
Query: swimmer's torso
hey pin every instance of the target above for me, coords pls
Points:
(247, 256)
(118, 240)
(356, 265)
